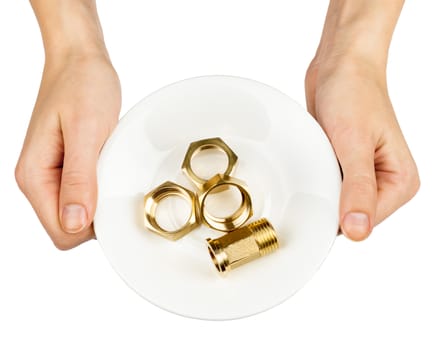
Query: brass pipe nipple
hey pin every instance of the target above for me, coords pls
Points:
(243, 245)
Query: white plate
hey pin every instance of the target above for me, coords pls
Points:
(284, 157)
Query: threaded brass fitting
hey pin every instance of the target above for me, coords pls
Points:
(242, 245)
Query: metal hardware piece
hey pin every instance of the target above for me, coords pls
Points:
(202, 145)
(233, 221)
(165, 190)
(242, 245)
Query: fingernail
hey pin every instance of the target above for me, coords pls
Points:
(74, 218)
(356, 225)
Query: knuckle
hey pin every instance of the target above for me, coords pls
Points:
(75, 178)
(24, 173)
(408, 180)
(363, 184)
(416, 184)
(19, 175)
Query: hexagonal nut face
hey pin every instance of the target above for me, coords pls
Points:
(201, 145)
(236, 219)
(153, 198)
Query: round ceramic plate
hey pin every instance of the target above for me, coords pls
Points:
(285, 159)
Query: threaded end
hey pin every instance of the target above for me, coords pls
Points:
(264, 235)
(218, 256)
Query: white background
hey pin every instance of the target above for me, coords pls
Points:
(379, 294)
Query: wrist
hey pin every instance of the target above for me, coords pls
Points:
(69, 28)
(358, 31)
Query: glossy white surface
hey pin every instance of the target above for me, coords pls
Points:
(284, 157)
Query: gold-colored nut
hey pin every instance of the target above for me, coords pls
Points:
(202, 145)
(233, 221)
(165, 190)
(243, 245)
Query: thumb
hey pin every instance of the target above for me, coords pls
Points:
(359, 189)
(78, 192)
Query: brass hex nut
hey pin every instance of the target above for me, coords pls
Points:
(167, 189)
(202, 145)
(216, 184)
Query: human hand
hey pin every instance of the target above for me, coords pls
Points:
(346, 92)
(77, 107)
(349, 98)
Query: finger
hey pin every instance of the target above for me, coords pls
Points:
(396, 187)
(78, 193)
(388, 201)
(41, 187)
(359, 189)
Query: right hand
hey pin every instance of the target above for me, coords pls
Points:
(77, 108)
(349, 99)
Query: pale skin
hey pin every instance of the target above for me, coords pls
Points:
(79, 102)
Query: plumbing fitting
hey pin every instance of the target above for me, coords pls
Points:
(242, 245)
(167, 189)
(202, 145)
(219, 183)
